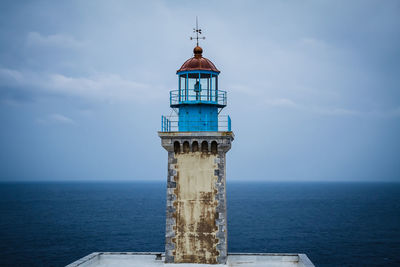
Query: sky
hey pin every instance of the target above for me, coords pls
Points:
(313, 87)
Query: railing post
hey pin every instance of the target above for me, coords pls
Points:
(179, 88)
(209, 88)
(186, 88)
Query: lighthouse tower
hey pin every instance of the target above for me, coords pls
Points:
(197, 140)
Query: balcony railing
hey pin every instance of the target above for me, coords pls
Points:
(193, 96)
(172, 124)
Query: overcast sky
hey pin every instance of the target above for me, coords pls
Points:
(313, 87)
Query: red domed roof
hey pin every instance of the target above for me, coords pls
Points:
(198, 62)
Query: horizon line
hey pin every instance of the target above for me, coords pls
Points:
(162, 181)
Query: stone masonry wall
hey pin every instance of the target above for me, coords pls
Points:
(196, 229)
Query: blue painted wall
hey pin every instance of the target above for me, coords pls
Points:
(199, 117)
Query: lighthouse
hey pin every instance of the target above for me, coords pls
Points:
(197, 139)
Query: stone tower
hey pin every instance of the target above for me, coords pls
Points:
(197, 140)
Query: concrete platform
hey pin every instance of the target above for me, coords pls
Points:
(150, 259)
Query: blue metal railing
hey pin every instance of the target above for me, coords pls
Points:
(172, 124)
(165, 124)
(193, 96)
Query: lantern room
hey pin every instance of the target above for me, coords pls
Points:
(198, 83)
(198, 99)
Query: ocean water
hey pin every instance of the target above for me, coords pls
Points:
(335, 224)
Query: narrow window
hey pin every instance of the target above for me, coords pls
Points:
(182, 88)
(186, 148)
(195, 146)
(204, 147)
(214, 147)
(177, 147)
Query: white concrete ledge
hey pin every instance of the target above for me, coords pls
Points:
(149, 259)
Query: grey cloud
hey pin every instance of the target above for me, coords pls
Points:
(54, 40)
(290, 104)
(56, 118)
(99, 87)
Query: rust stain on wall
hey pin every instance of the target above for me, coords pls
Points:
(195, 232)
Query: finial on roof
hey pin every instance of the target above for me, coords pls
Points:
(198, 51)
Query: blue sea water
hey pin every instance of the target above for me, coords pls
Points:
(335, 224)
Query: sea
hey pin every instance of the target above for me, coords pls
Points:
(335, 224)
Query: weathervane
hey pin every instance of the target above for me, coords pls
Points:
(197, 31)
